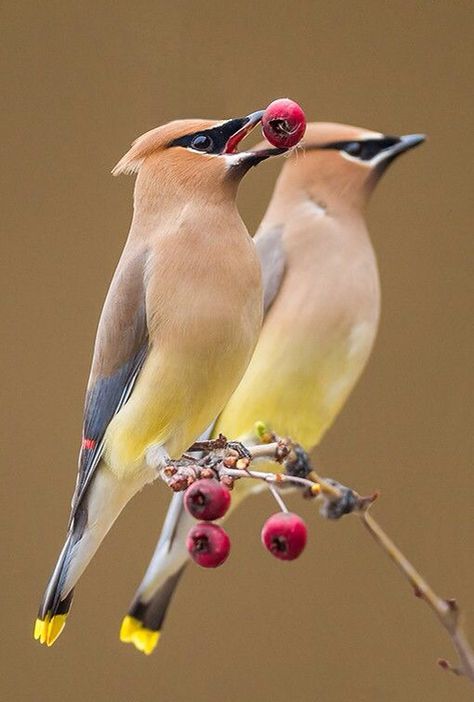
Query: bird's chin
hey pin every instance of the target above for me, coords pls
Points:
(404, 144)
(240, 162)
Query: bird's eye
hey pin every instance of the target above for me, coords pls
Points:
(202, 142)
(353, 148)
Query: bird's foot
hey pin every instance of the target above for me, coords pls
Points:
(241, 450)
(220, 442)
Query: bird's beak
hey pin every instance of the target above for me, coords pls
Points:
(245, 126)
(405, 143)
(409, 141)
(248, 123)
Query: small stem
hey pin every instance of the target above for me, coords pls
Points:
(445, 610)
(339, 500)
(421, 587)
(277, 497)
(263, 450)
(330, 491)
(268, 477)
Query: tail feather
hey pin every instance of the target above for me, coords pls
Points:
(103, 502)
(49, 626)
(143, 623)
(56, 602)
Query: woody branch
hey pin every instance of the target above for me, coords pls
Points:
(229, 461)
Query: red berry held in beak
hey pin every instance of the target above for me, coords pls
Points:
(207, 499)
(284, 123)
(284, 535)
(208, 545)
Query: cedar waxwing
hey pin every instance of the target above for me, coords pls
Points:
(322, 304)
(177, 331)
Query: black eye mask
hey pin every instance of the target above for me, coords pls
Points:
(210, 141)
(365, 149)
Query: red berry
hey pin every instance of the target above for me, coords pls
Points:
(207, 499)
(284, 535)
(208, 544)
(284, 123)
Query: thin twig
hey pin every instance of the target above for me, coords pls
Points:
(277, 497)
(264, 450)
(446, 611)
(330, 491)
(269, 477)
(229, 461)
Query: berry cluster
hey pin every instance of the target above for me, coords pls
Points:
(283, 534)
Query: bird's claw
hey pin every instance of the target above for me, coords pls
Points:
(241, 450)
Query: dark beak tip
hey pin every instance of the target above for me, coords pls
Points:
(412, 140)
(255, 117)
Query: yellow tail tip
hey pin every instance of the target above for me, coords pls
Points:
(128, 628)
(132, 631)
(48, 629)
(40, 626)
(145, 640)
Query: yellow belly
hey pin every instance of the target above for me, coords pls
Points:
(299, 400)
(296, 386)
(174, 400)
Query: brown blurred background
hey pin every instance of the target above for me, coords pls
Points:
(81, 80)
